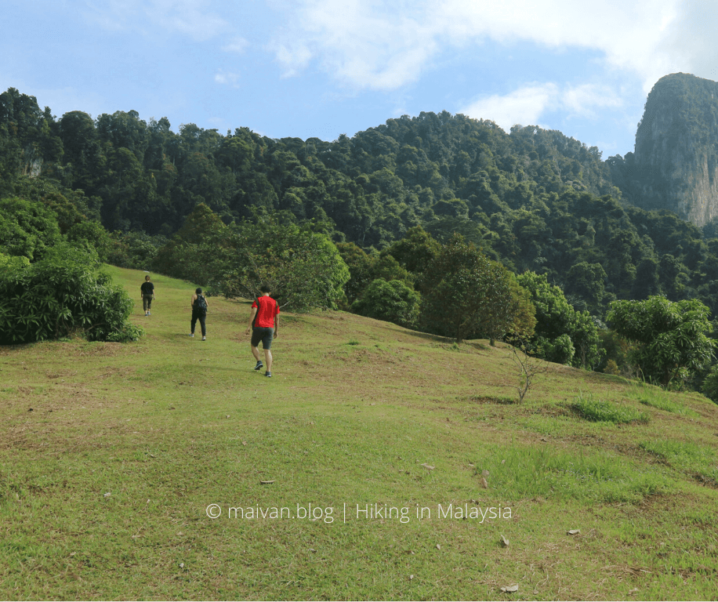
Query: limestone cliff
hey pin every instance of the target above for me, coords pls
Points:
(675, 164)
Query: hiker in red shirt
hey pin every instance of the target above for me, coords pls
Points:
(264, 326)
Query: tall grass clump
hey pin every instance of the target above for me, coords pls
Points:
(685, 456)
(657, 398)
(517, 472)
(597, 410)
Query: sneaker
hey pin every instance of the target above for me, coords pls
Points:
(191, 334)
(147, 314)
(204, 338)
(259, 366)
(269, 374)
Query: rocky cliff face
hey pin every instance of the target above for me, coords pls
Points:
(675, 164)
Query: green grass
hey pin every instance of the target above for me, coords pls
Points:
(527, 472)
(686, 456)
(655, 397)
(597, 410)
(169, 425)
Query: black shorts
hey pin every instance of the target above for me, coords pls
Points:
(262, 334)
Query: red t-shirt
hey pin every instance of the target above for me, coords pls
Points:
(268, 308)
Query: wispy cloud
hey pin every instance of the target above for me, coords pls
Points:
(193, 18)
(384, 45)
(523, 106)
(237, 45)
(227, 78)
(526, 105)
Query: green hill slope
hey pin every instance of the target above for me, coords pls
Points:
(110, 455)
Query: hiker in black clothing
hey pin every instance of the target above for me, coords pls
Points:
(148, 293)
(199, 312)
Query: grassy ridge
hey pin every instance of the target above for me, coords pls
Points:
(359, 412)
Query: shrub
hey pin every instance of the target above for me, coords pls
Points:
(671, 338)
(560, 350)
(391, 301)
(611, 368)
(26, 229)
(596, 410)
(62, 294)
(710, 384)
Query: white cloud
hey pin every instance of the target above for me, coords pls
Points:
(526, 105)
(238, 45)
(227, 78)
(385, 45)
(523, 106)
(581, 100)
(193, 18)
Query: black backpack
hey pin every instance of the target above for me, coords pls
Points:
(200, 304)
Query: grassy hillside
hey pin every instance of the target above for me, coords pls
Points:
(110, 455)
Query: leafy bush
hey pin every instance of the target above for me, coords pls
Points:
(710, 384)
(26, 229)
(672, 338)
(135, 250)
(557, 319)
(61, 294)
(391, 301)
(560, 350)
(596, 410)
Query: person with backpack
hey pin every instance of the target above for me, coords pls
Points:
(264, 326)
(199, 312)
(147, 290)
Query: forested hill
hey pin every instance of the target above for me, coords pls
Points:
(533, 198)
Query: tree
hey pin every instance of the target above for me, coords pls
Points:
(391, 301)
(588, 281)
(302, 267)
(415, 250)
(466, 295)
(360, 265)
(27, 229)
(671, 337)
(557, 318)
(201, 251)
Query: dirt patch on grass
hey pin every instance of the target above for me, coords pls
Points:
(495, 400)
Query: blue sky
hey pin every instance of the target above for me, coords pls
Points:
(325, 67)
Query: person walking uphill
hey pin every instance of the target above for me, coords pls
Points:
(264, 326)
(148, 293)
(199, 312)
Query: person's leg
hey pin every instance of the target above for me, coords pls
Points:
(203, 324)
(194, 321)
(149, 305)
(267, 344)
(254, 346)
(144, 303)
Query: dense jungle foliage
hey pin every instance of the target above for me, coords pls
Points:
(532, 200)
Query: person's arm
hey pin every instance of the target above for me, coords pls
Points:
(276, 326)
(251, 319)
(191, 303)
